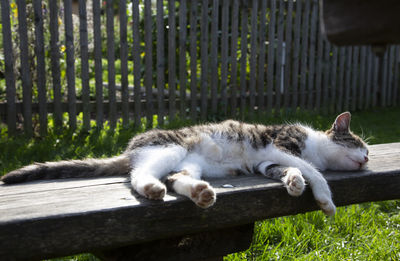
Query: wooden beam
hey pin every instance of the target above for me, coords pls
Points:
(361, 22)
(48, 219)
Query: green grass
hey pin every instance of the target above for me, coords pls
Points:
(368, 231)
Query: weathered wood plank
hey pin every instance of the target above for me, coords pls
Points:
(233, 69)
(182, 56)
(41, 67)
(171, 59)
(65, 215)
(136, 63)
(70, 62)
(25, 73)
(112, 116)
(193, 60)
(359, 22)
(124, 61)
(9, 67)
(98, 67)
(83, 40)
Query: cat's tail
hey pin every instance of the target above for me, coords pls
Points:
(115, 166)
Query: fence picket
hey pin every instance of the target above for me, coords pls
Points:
(253, 57)
(41, 69)
(310, 78)
(271, 55)
(224, 56)
(171, 59)
(111, 63)
(214, 56)
(288, 53)
(390, 75)
(148, 75)
(182, 56)
(204, 60)
(369, 79)
(9, 67)
(193, 60)
(279, 59)
(296, 55)
(325, 84)
(304, 55)
(84, 63)
(234, 43)
(361, 86)
(25, 73)
(124, 62)
(243, 60)
(318, 71)
(261, 57)
(354, 78)
(333, 79)
(98, 67)
(396, 76)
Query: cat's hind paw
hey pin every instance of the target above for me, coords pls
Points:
(294, 182)
(203, 195)
(154, 191)
(327, 207)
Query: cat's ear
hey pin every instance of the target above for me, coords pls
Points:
(342, 122)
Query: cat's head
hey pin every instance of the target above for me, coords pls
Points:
(351, 150)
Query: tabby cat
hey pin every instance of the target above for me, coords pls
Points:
(292, 153)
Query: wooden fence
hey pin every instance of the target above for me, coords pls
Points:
(181, 58)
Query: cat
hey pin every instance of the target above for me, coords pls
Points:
(292, 153)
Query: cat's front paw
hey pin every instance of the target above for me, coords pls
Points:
(154, 191)
(203, 195)
(294, 182)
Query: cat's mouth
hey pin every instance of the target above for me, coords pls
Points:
(359, 165)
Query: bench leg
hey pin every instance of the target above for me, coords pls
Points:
(206, 246)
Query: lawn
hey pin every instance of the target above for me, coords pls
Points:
(368, 231)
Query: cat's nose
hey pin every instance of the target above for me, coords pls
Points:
(366, 158)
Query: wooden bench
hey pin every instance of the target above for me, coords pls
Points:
(103, 216)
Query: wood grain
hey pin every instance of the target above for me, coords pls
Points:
(74, 216)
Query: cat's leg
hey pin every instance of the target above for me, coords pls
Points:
(291, 177)
(317, 182)
(152, 163)
(186, 181)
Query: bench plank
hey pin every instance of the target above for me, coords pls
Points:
(48, 219)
